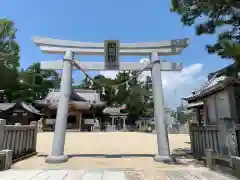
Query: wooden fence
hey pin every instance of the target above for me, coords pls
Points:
(20, 139)
(203, 137)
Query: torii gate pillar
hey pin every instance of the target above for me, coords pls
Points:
(57, 154)
(158, 100)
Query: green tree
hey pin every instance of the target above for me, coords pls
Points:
(217, 16)
(174, 114)
(135, 101)
(9, 57)
(9, 48)
(148, 98)
(34, 83)
(118, 93)
(123, 91)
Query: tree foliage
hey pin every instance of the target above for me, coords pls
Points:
(214, 16)
(27, 85)
(9, 57)
(117, 93)
(35, 83)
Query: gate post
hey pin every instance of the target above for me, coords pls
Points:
(158, 99)
(57, 155)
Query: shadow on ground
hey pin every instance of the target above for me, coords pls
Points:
(184, 158)
(182, 155)
(106, 155)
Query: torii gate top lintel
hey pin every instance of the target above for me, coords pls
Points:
(43, 41)
(163, 48)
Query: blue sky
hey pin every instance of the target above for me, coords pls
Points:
(97, 20)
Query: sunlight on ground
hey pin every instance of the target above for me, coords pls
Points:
(103, 150)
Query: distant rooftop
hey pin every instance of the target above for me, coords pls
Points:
(213, 85)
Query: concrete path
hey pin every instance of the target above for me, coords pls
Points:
(100, 174)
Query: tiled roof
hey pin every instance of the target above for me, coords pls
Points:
(28, 107)
(6, 106)
(212, 84)
(78, 97)
(195, 104)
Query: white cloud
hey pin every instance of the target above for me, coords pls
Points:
(170, 79)
(175, 84)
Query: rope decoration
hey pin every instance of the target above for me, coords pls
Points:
(53, 102)
(113, 86)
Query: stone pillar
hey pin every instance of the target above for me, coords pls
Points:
(2, 124)
(57, 155)
(124, 122)
(79, 120)
(158, 99)
(113, 118)
(227, 134)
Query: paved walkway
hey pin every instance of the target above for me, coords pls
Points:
(190, 174)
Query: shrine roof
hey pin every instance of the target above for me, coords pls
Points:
(27, 107)
(214, 85)
(114, 111)
(80, 99)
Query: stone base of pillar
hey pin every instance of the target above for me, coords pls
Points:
(56, 159)
(165, 159)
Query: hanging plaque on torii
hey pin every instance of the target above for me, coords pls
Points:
(111, 54)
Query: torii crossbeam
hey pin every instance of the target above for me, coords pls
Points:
(69, 48)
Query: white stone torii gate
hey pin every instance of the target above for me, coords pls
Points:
(69, 48)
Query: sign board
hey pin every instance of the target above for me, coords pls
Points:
(89, 121)
(176, 66)
(180, 42)
(50, 121)
(111, 54)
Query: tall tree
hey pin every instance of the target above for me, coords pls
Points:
(118, 92)
(9, 57)
(217, 16)
(35, 83)
(135, 100)
(9, 48)
(148, 98)
(122, 90)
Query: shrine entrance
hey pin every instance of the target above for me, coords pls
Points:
(112, 50)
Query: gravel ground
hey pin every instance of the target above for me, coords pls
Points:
(130, 150)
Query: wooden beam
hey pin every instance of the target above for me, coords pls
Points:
(44, 41)
(125, 52)
(98, 66)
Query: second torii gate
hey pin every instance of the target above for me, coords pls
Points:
(69, 48)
